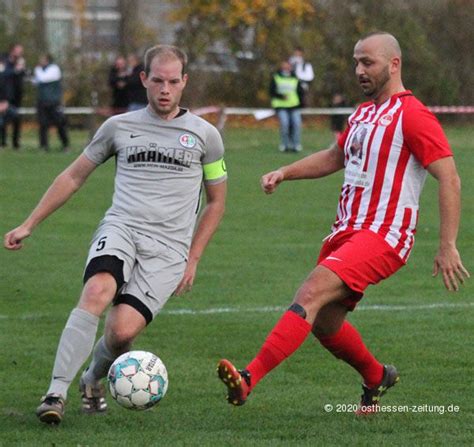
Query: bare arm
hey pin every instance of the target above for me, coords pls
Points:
(448, 261)
(208, 223)
(316, 165)
(62, 188)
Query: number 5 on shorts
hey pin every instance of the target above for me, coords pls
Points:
(101, 243)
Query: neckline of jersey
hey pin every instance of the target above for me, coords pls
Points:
(154, 115)
(395, 95)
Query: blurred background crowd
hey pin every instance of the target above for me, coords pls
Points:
(234, 46)
(93, 51)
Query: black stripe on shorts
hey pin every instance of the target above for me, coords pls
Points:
(106, 263)
(136, 304)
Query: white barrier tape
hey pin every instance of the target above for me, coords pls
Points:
(255, 111)
(452, 109)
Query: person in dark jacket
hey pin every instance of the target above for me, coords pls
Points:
(338, 121)
(47, 77)
(118, 83)
(12, 73)
(136, 91)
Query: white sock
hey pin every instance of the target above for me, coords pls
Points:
(74, 347)
(102, 358)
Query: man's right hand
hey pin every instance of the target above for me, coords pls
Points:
(13, 239)
(271, 180)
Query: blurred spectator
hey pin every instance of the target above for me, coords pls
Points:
(304, 72)
(3, 103)
(47, 77)
(338, 121)
(12, 73)
(118, 83)
(285, 91)
(137, 98)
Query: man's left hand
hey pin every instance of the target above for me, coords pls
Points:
(448, 262)
(186, 283)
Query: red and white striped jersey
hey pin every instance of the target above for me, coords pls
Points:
(387, 148)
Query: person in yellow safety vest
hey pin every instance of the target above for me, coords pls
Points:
(285, 91)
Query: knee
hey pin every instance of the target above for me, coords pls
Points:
(98, 292)
(120, 338)
(329, 320)
(320, 288)
(309, 297)
(321, 330)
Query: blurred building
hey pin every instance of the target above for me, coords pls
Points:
(93, 27)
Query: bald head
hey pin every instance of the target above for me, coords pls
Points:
(382, 43)
(378, 64)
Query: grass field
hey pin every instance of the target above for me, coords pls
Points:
(262, 252)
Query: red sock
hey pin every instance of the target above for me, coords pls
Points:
(347, 345)
(284, 339)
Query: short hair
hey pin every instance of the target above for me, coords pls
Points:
(166, 52)
(393, 40)
(48, 56)
(375, 33)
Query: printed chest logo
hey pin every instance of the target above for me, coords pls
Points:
(386, 120)
(187, 140)
(356, 149)
(154, 155)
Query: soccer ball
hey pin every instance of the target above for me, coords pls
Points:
(138, 380)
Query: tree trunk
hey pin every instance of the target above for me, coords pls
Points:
(40, 27)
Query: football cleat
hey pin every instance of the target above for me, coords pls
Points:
(93, 397)
(237, 382)
(371, 396)
(51, 409)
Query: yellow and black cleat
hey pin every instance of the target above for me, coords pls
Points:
(237, 389)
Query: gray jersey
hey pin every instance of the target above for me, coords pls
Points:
(160, 167)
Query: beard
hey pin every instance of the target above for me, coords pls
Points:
(376, 85)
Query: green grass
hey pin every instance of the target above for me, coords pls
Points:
(262, 252)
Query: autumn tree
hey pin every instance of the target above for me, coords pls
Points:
(264, 29)
(436, 39)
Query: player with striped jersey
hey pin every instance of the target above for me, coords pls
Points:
(144, 249)
(389, 146)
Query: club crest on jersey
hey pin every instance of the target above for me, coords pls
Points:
(187, 140)
(386, 120)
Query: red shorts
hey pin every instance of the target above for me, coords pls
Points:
(359, 258)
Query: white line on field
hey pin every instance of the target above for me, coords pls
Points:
(269, 309)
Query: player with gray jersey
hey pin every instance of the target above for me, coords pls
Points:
(145, 248)
(159, 171)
